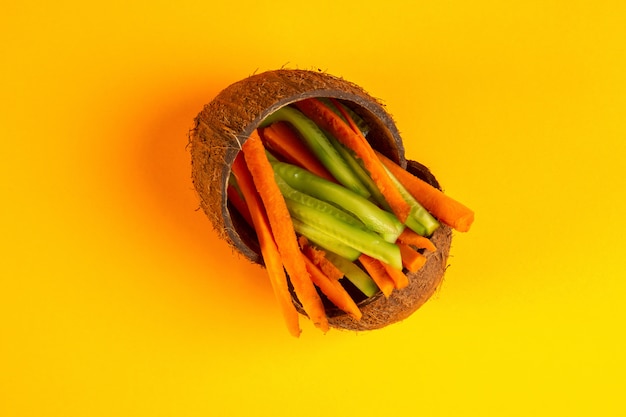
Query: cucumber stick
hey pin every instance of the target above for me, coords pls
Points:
(320, 238)
(317, 204)
(375, 218)
(354, 274)
(319, 144)
(364, 241)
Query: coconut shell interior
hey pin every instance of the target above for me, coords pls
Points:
(228, 120)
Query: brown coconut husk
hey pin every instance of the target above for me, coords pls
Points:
(228, 120)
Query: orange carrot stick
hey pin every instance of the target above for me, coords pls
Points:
(443, 207)
(330, 121)
(409, 237)
(399, 278)
(283, 140)
(283, 231)
(377, 271)
(346, 116)
(319, 259)
(411, 259)
(333, 290)
(269, 250)
(239, 203)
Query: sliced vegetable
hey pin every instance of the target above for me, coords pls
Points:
(280, 138)
(412, 260)
(440, 205)
(269, 250)
(324, 240)
(420, 220)
(318, 257)
(283, 230)
(372, 216)
(360, 172)
(400, 280)
(377, 271)
(409, 237)
(358, 120)
(354, 274)
(362, 240)
(352, 138)
(317, 204)
(333, 290)
(318, 143)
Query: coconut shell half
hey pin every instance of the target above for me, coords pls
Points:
(228, 120)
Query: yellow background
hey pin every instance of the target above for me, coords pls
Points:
(117, 299)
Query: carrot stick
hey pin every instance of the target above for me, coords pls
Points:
(409, 237)
(239, 203)
(411, 259)
(443, 207)
(354, 140)
(377, 271)
(399, 278)
(283, 140)
(346, 116)
(319, 259)
(283, 231)
(269, 250)
(333, 290)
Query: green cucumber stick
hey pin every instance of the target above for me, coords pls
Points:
(364, 241)
(427, 224)
(319, 144)
(291, 193)
(354, 274)
(320, 238)
(375, 218)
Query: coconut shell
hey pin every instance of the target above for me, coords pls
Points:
(228, 120)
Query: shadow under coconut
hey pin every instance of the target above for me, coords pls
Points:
(161, 171)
